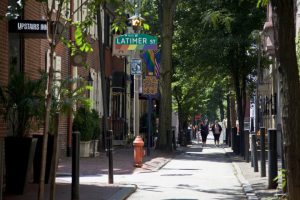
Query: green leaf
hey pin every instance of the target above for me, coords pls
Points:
(78, 36)
(146, 26)
(262, 3)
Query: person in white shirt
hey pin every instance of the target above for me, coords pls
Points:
(216, 129)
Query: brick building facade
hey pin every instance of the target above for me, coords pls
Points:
(32, 54)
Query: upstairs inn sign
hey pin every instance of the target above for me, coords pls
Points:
(136, 42)
(28, 27)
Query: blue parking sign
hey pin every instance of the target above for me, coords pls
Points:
(136, 66)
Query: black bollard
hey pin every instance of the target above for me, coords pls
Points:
(246, 157)
(242, 143)
(272, 155)
(233, 139)
(149, 124)
(262, 152)
(237, 145)
(75, 165)
(173, 140)
(109, 135)
(228, 138)
(254, 152)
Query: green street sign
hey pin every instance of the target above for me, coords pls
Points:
(136, 41)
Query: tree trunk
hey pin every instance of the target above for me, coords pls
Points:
(180, 119)
(165, 111)
(286, 56)
(222, 110)
(232, 111)
(41, 192)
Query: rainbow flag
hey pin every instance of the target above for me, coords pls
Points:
(149, 58)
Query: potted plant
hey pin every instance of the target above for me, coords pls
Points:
(83, 122)
(62, 103)
(96, 133)
(22, 108)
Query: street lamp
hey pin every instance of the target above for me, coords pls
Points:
(136, 21)
(89, 79)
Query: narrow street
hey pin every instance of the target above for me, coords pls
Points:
(196, 173)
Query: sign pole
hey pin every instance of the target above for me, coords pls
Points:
(149, 124)
(136, 105)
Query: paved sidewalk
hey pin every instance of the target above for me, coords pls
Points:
(255, 186)
(94, 176)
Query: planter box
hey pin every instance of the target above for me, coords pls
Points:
(94, 148)
(19, 153)
(85, 148)
(38, 157)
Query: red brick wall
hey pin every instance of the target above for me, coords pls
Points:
(3, 54)
(35, 60)
(117, 64)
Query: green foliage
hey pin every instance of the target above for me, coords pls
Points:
(262, 3)
(22, 103)
(211, 49)
(87, 123)
(281, 179)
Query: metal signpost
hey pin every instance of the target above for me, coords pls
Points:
(150, 85)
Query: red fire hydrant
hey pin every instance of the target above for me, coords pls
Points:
(138, 144)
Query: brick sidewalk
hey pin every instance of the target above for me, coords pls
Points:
(98, 166)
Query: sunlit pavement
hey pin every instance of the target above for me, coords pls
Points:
(197, 173)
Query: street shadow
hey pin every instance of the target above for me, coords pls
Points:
(218, 193)
(230, 194)
(63, 191)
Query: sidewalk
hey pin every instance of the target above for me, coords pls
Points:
(254, 186)
(93, 176)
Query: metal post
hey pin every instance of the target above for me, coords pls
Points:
(237, 144)
(272, 155)
(136, 105)
(251, 150)
(242, 143)
(75, 165)
(233, 139)
(247, 145)
(109, 150)
(149, 124)
(173, 140)
(262, 152)
(1, 166)
(228, 138)
(254, 152)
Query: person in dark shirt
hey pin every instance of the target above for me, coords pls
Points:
(204, 131)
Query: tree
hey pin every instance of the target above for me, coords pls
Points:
(216, 35)
(167, 8)
(284, 24)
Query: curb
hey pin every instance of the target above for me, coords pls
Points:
(123, 193)
(246, 186)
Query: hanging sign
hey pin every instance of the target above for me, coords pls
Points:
(28, 27)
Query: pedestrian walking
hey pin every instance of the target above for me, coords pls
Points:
(204, 128)
(216, 129)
